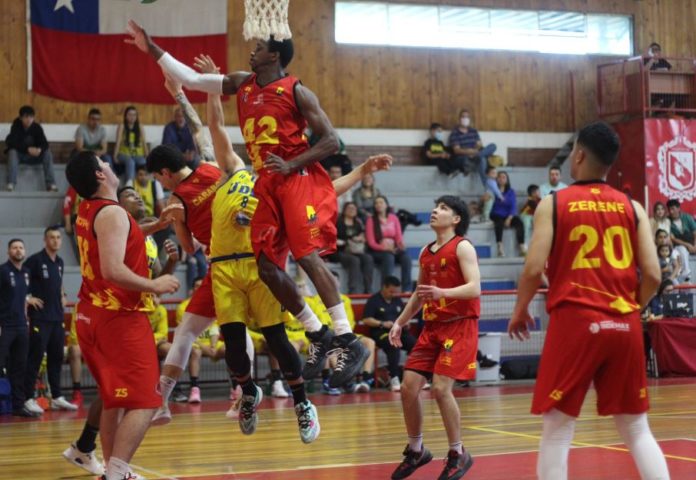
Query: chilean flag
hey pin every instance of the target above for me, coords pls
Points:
(78, 53)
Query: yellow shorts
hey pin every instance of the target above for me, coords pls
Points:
(217, 346)
(241, 296)
(258, 340)
(72, 336)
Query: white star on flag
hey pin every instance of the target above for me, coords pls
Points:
(64, 3)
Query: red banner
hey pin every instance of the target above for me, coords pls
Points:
(670, 161)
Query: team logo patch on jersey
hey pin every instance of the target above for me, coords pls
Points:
(279, 91)
(311, 214)
(677, 166)
(448, 344)
(556, 395)
(443, 263)
(595, 191)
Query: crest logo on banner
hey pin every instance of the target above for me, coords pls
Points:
(677, 163)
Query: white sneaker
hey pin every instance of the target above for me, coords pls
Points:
(278, 391)
(61, 403)
(162, 416)
(86, 461)
(361, 387)
(395, 384)
(427, 386)
(32, 406)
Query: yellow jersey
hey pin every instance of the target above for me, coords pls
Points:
(160, 324)
(151, 253)
(233, 207)
(147, 193)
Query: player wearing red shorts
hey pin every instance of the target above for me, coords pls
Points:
(112, 311)
(297, 204)
(448, 291)
(602, 270)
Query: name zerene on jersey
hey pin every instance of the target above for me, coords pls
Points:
(599, 206)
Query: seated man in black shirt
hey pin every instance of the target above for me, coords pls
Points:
(435, 152)
(381, 310)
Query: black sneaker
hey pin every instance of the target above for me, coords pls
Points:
(318, 348)
(487, 362)
(456, 465)
(411, 462)
(25, 412)
(351, 356)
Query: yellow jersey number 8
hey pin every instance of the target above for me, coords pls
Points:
(591, 239)
(267, 136)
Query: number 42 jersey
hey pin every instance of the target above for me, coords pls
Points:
(593, 258)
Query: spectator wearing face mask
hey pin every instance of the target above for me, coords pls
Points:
(436, 153)
(468, 153)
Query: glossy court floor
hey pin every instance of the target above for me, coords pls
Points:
(362, 438)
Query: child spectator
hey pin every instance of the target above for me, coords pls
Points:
(527, 211)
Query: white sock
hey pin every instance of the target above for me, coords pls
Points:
(166, 386)
(556, 437)
(415, 443)
(339, 319)
(116, 469)
(636, 434)
(457, 447)
(309, 319)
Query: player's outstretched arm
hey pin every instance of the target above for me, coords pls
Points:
(319, 122)
(373, 164)
(225, 155)
(646, 259)
(193, 121)
(534, 265)
(111, 226)
(188, 77)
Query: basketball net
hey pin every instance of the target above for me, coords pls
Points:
(265, 18)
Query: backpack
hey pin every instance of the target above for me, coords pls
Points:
(5, 396)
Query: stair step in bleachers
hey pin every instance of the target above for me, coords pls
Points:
(30, 178)
(30, 209)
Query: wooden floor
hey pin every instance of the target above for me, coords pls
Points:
(362, 438)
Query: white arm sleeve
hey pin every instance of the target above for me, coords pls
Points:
(189, 78)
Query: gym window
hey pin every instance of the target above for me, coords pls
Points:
(444, 26)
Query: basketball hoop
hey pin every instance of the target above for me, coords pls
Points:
(265, 18)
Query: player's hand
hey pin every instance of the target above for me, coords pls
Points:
(35, 302)
(172, 212)
(172, 86)
(395, 335)
(138, 36)
(520, 324)
(275, 164)
(205, 64)
(172, 250)
(429, 292)
(165, 284)
(375, 163)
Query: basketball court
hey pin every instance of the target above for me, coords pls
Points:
(201, 443)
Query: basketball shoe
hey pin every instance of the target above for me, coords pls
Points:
(162, 416)
(86, 461)
(248, 417)
(411, 462)
(456, 465)
(350, 359)
(308, 421)
(317, 351)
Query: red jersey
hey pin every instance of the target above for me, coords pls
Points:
(196, 192)
(441, 268)
(592, 261)
(95, 289)
(270, 120)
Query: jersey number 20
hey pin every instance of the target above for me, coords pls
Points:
(591, 239)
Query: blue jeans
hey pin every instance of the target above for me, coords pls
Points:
(196, 267)
(482, 157)
(387, 262)
(14, 158)
(129, 163)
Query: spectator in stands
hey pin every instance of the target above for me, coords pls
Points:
(92, 136)
(177, 133)
(131, 147)
(47, 334)
(150, 191)
(364, 197)
(491, 191)
(381, 310)
(504, 215)
(386, 243)
(660, 219)
(528, 209)
(554, 184)
(70, 203)
(662, 237)
(352, 253)
(14, 337)
(26, 143)
(683, 232)
(335, 173)
(435, 152)
(468, 153)
(207, 344)
(653, 58)
(159, 321)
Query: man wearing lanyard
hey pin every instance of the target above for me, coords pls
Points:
(46, 333)
(14, 340)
